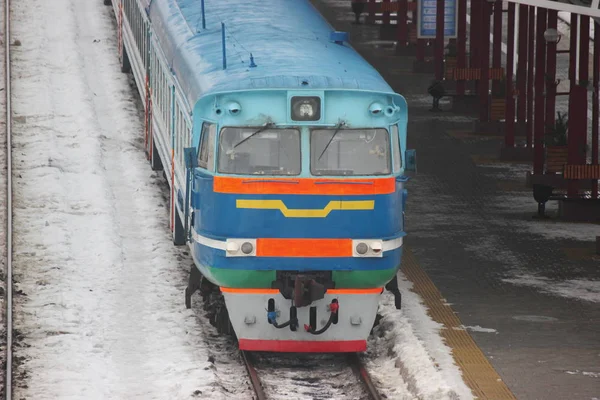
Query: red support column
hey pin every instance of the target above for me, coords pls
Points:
(439, 40)
(496, 46)
(371, 18)
(461, 43)
(509, 139)
(577, 130)
(584, 74)
(596, 104)
(578, 104)
(540, 81)
(386, 15)
(522, 64)
(474, 34)
(530, 55)
(484, 63)
(402, 26)
(551, 73)
(573, 52)
(420, 53)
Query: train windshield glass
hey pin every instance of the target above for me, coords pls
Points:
(259, 151)
(350, 152)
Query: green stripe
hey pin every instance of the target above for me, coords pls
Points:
(247, 279)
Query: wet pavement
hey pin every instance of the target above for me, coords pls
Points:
(528, 290)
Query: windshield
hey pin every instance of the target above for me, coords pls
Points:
(350, 152)
(269, 152)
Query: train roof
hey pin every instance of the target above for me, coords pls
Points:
(289, 40)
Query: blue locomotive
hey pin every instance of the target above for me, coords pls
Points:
(285, 152)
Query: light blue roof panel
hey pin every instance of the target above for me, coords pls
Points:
(289, 39)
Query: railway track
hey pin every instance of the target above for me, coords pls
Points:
(316, 376)
(8, 278)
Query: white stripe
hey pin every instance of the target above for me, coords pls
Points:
(392, 244)
(215, 244)
(388, 245)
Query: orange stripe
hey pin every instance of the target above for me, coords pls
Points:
(223, 184)
(355, 291)
(304, 247)
(249, 291)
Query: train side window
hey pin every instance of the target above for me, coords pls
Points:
(396, 149)
(206, 155)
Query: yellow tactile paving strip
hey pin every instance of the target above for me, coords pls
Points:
(478, 373)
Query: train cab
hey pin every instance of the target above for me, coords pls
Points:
(296, 198)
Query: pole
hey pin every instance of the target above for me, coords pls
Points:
(474, 34)
(551, 73)
(461, 43)
(386, 15)
(584, 76)
(496, 47)
(573, 52)
(540, 81)
(224, 46)
(596, 104)
(420, 52)
(371, 17)
(530, 55)
(439, 40)
(577, 129)
(509, 139)
(484, 63)
(522, 64)
(203, 16)
(402, 26)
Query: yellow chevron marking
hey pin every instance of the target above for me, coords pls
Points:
(334, 205)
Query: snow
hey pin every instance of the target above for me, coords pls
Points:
(100, 312)
(584, 373)
(587, 290)
(3, 205)
(423, 361)
(477, 328)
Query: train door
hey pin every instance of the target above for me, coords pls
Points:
(200, 168)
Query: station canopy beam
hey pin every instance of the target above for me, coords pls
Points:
(582, 7)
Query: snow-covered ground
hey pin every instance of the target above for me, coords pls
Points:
(100, 311)
(102, 314)
(408, 343)
(3, 205)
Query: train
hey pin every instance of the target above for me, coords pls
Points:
(285, 154)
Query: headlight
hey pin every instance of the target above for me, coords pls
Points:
(306, 108)
(247, 248)
(376, 247)
(232, 247)
(240, 248)
(367, 248)
(362, 248)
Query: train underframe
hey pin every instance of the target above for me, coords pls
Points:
(301, 313)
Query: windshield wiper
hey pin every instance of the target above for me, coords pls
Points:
(261, 129)
(337, 129)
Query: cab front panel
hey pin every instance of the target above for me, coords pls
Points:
(297, 232)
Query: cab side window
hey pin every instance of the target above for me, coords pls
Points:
(206, 155)
(396, 149)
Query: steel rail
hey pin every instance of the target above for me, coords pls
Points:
(256, 385)
(353, 359)
(360, 370)
(8, 280)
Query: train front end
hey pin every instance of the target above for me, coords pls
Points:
(297, 212)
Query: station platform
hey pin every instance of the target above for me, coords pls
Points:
(527, 290)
